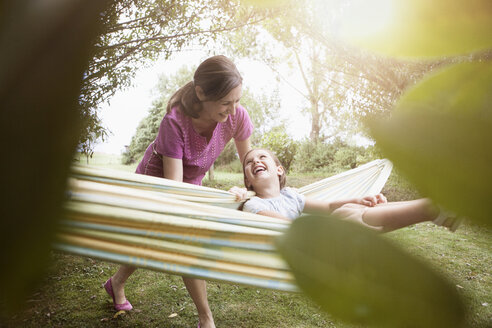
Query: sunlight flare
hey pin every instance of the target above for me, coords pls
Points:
(361, 19)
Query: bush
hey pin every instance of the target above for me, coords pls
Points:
(281, 144)
(228, 155)
(331, 157)
(231, 167)
(146, 132)
(313, 157)
(346, 158)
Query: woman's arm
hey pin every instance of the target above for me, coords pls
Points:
(172, 168)
(242, 147)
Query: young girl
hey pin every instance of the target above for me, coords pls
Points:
(264, 175)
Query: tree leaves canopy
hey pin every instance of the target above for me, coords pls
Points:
(340, 83)
(137, 32)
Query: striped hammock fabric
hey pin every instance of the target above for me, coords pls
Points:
(188, 230)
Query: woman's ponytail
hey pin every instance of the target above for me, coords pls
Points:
(186, 99)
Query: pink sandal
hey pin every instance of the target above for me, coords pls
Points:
(108, 286)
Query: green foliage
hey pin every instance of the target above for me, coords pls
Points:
(362, 278)
(95, 134)
(45, 47)
(439, 137)
(332, 157)
(428, 28)
(169, 84)
(263, 109)
(346, 158)
(453, 152)
(145, 134)
(341, 84)
(149, 126)
(228, 155)
(313, 157)
(138, 32)
(278, 141)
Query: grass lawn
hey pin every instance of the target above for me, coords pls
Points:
(110, 161)
(71, 293)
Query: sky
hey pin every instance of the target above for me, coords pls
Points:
(127, 107)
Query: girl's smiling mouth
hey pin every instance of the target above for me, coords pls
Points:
(259, 168)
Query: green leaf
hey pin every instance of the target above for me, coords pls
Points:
(420, 27)
(46, 46)
(440, 137)
(358, 276)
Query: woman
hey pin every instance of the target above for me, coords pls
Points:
(201, 118)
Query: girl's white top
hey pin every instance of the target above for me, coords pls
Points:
(290, 204)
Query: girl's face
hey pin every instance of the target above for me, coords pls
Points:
(259, 167)
(218, 111)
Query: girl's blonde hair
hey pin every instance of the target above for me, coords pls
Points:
(282, 179)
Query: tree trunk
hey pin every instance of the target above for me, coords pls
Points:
(315, 125)
(211, 173)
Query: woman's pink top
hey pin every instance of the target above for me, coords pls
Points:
(178, 139)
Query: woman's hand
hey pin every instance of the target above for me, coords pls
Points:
(240, 193)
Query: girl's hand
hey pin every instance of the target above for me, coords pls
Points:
(367, 201)
(381, 198)
(240, 193)
(373, 200)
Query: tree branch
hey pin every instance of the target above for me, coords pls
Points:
(304, 77)
(156, 38)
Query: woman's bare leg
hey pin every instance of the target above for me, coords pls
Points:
(396, 215)
(198, 291)
(118, 282)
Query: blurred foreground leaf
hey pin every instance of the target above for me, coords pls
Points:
(359, 276)
(422, 27)
(45, 49)
(440, 137)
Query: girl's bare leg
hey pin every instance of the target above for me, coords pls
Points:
(198, 291)
(396, 215)
(118, 282)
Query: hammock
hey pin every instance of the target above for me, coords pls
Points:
(188, 230)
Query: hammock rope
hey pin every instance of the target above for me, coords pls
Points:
(186, 229)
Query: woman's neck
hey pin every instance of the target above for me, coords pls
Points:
(204, 127)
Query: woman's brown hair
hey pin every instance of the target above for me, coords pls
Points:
(282, 179)
(217, 76)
